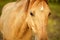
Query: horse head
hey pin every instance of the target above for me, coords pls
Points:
(37, 19)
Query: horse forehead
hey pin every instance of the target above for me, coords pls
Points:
(41, 8)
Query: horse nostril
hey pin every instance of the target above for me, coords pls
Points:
(31, 14)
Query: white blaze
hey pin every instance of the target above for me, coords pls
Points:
(42, 8)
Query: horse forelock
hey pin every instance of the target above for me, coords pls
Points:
(29, 3)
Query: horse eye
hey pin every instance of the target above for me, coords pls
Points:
(49, 14)
(31, 14)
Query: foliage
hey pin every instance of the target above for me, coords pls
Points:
(54, 1)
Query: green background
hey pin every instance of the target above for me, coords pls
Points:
(53, 28)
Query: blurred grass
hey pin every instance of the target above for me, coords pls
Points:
(53, 22)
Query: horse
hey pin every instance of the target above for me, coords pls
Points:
(23, 19)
